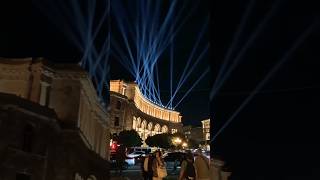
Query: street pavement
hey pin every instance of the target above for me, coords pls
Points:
(134, 173)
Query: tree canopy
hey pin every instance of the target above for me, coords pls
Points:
(160, 140)
(129, 138)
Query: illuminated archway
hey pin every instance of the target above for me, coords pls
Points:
(157, 128)
(164, 129)
(143, 129)
(144, 124)
(150, 126)
(138, 122)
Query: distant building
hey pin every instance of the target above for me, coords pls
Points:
(193, 134)
(52, 124)
(206, 132)
(187, 131)
(129, 109)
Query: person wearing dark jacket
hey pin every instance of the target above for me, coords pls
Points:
(187, 171)
(146, 167)
(121, 158)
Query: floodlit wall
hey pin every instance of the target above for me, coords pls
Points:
(132, 92)
(65, 88)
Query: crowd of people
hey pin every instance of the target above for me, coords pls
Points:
(192, 168)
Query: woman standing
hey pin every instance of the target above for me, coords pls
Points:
(158, 167)
(187, 171)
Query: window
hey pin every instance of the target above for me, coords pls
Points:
(116, 121)
(208, 136)
(27, 138)
(123, 91)
(20, 176)
(118, 105)
(173, 131)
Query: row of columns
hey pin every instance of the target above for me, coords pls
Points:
(146, 129)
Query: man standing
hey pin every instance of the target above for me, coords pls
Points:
(202, 166)
(121, 158)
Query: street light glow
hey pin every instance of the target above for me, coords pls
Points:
(177, 140)
(184, 145)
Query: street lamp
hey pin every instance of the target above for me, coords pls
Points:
(184, 145)
(177, 140)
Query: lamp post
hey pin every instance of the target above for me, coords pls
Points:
(177, 141)
(184, 145)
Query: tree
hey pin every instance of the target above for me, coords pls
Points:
(129, 138)
(160, 140)
(180, 136)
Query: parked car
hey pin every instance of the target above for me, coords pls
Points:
(174, 156)
(136, 154)
(146, 150)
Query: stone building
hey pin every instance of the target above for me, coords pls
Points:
(206, 132)
(206, 129)
(54, 124)
(193, 134)
(129, 109)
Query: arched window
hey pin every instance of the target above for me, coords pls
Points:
(138, 122)
(144, 124)
(150, 126)
(164, 129)
(28, 135)
(207, 136)
(157, 128)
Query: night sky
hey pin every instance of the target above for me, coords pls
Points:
(195, 107)
(276, 135)
(34, 34)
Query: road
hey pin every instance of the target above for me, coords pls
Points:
(134, 173)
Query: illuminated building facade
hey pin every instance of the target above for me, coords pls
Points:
(57, 104)
(206, 131)
(131, 110)
(193, 134)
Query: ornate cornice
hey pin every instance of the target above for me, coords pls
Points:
(143, 104)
